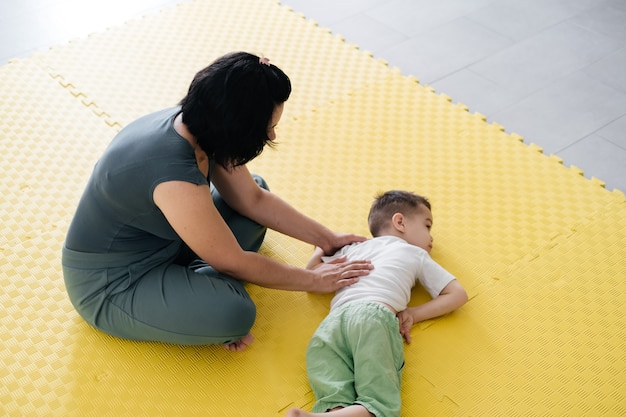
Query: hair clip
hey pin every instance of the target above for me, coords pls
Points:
(265, 61)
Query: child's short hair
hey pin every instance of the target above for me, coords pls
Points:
(387, 204)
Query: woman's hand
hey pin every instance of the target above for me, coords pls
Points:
(339, 240)
(338, 273)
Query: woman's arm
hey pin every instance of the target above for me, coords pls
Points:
(242, 193)
(190, 211)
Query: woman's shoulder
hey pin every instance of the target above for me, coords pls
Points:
(149, 136)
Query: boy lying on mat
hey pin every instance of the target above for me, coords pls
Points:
(355, 358)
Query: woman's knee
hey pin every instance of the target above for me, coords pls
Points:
(231, 304)
(239, 319)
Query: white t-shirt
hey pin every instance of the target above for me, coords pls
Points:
(397, 266)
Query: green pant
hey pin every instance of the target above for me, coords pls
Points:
(356, 356)
(168, 295)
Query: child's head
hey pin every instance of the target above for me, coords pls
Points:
(403, 214)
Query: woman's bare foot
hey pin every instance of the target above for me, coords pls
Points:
(240, 344)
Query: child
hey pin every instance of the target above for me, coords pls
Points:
(355, 358)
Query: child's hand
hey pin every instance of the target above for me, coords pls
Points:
(405, 320)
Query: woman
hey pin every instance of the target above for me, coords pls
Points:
(167, 230)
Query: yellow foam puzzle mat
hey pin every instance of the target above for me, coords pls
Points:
(540, 249)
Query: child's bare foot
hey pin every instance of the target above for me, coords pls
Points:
(296, 412)
(355, 410)
(240, 344)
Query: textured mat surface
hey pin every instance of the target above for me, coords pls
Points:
(541, 250)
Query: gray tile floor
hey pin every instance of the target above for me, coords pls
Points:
(553, 71)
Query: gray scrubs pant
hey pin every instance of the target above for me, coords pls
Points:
(169, 295)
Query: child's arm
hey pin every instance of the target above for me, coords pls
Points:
(449, 299)
(316, 258)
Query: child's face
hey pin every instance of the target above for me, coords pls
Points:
(418, 226)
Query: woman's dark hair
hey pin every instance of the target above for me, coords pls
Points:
(230, 104)
(389, 203)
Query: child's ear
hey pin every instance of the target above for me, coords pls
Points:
(397, 220)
